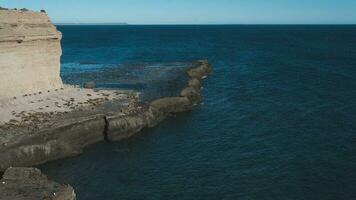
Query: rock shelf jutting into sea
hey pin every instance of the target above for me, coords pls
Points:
(274, 120)
(43, 120)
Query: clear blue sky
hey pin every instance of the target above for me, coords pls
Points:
(194, 11)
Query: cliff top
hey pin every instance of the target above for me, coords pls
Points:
(25, 25)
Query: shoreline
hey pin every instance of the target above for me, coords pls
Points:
(68, 136)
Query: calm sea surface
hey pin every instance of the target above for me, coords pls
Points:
(278, 119)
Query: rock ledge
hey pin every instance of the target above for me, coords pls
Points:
(30, 183)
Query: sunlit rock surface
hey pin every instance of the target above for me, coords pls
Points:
(29, 53)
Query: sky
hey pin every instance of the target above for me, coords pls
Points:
(194, 11)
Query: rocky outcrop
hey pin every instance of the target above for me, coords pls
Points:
(30, 183)
(69, 136)
(194, 83)
(29, 53)
(120, 127)
(201, 71)
(30, 63)
(63, 139)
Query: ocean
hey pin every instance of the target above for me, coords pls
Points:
(278, 119)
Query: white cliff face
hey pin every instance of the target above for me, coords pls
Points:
(29, 53)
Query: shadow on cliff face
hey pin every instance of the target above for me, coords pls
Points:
(153, 80)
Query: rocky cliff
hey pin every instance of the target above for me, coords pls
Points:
(29, 53)
(29, 63)
(69, 134)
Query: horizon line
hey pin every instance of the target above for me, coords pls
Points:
(202, 24)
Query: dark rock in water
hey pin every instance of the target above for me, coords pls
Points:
(172, 104)
(205, 65)
(69, 136)
(195, 83)
(31, 184)
(192, 94)
(120, 127)
(89, 85)
(203, 69)
(43, 11)
(196, 73)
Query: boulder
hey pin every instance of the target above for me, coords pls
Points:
(192, 94)
(201, 70)
(197, 73)
(205, 65)
(172, 104)
(194, 83)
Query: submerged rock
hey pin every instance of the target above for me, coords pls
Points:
(31, 184)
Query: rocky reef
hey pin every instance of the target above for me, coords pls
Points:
(69, 134)
(30, 53)
(119, 127)
(42, 120)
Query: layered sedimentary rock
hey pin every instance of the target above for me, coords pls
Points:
(70, 135)
(30, 63)
(29, 53)
(30, 183)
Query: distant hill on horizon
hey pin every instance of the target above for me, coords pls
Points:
(75, 24)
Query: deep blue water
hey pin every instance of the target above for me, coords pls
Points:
(278, 119)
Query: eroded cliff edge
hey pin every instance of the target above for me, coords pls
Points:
(68, 134)
(29, 66)
(30, 53)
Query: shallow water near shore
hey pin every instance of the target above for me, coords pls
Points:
(278, 119)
